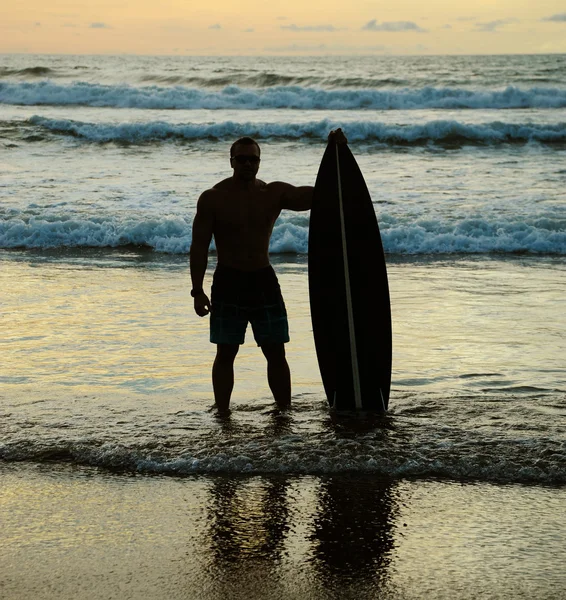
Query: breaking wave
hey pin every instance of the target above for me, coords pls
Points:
(172, 234)
(436, 132)
(275, 96)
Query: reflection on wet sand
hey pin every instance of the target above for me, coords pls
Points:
(267, 538)
(248, 526)
(352, 541)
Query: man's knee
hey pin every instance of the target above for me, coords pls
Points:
(274, 352)
(226, 352)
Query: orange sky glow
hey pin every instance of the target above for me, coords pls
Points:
(224, 27)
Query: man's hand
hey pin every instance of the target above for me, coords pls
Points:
(337, 135)
(202, 304)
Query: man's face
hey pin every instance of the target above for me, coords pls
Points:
(245, 161)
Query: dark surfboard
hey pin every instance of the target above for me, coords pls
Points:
(349, 292)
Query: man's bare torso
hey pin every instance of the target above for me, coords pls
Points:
(244, 216)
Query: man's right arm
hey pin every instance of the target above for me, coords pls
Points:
(203, 225)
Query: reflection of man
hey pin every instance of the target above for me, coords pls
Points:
(248, 529)
(248, 519)
(240, 213)
(353, 537)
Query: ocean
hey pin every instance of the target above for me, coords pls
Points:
(118, 477)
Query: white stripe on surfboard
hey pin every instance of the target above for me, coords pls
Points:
(349, 307)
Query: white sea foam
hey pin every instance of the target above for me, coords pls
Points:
(172, 234)
(169, 234)
(295, 97)
(449, 132)
(510, 460)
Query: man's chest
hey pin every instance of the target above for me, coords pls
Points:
(255, 212)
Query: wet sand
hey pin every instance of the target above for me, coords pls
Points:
(72, 532)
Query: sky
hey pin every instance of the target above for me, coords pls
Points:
(274, 27)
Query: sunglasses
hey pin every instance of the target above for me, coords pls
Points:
(242, 159)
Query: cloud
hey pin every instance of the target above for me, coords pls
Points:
(392, 26)
(493, 26)
(309, 28)
(215, 26)
(559, 18)
(99, 26)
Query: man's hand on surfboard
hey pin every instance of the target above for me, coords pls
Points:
(337, 135)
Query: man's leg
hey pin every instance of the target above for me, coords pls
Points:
(278, 374)
(223, 374)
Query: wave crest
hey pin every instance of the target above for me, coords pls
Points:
(542, 462)
(276, 96)
(172, 234)
(437, 132)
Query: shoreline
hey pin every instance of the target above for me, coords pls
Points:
(147, 255)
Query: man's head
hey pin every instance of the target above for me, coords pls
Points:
(245, 158)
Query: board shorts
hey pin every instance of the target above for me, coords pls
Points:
(242, 297)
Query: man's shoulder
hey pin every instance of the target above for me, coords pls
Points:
(278, 186)
(215, 192)
(278, 190)
(216, 188)
(225, 184)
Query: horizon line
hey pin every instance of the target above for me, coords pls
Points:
(282, 54)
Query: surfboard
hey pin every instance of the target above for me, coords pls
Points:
(348, 287)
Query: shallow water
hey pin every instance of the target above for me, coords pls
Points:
(108, 366)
